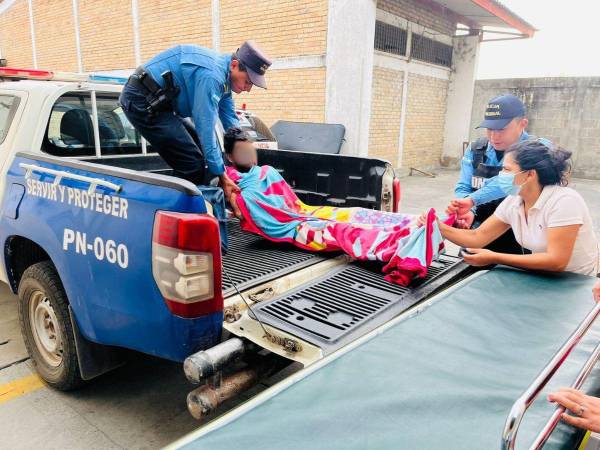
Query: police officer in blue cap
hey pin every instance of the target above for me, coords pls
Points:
(478, 191)
(188, 81)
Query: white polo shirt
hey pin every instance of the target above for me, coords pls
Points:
(557, 206)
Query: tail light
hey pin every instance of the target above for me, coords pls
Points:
(396, 195)
(186, 262)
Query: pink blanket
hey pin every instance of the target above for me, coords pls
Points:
(271, 209)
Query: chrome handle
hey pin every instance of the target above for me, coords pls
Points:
(541, 439)
(60, 174)
(519, 408)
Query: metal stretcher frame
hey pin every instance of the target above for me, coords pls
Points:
(523, 403)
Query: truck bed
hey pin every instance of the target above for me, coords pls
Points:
(252, 260)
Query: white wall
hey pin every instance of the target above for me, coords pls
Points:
(349, 61)
(460, 97)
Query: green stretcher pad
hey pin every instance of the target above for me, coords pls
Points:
(445, 378)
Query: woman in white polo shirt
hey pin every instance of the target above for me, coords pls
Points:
(550, 221)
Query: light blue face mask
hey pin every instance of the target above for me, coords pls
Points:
(506, 183)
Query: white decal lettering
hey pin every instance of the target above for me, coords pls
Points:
(78, 198)
(109, 250)
(68, 238)
(81, 243)
(97, 202)
(124, 205)
(115, 206)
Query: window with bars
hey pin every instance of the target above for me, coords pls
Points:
(431, 51)
(390, 38)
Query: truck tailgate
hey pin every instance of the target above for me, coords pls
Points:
(352, 300)
(443, 378)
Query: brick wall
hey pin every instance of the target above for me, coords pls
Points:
(426, 102)
(425, 118)
(15, 37)
(281, 27)
(385, 114)
(106, 32)
(293, 94)
(165, 23)
(55, 34)
(284, 28)
(429, 14)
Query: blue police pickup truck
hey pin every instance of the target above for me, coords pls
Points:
(107, 251)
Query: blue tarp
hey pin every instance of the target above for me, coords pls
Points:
(443, 379)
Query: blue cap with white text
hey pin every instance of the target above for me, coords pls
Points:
(501, 110)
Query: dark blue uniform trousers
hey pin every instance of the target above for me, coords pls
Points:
(174, 139)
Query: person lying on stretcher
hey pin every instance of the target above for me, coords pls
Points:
(269, 207)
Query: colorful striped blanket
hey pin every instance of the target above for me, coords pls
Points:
(271, 209)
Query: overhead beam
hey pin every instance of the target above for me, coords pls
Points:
(442, 10)
(503, 13)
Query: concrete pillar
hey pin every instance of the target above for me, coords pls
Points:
(75, 7)
(349, 61)
(460, 97)
(216, 25)
(137, 49)
(32, 31)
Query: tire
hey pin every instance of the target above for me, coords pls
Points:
(46, 326)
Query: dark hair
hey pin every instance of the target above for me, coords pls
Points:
(550, 161)
(232, 136)
(241, 65)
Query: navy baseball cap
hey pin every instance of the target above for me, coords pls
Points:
(256, 62)
(501, 110)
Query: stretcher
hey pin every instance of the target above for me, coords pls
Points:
(449, 374)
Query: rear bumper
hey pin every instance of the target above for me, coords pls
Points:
(169, 337)
(189, 336)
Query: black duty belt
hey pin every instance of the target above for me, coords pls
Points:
(159, 98)
(144, 82)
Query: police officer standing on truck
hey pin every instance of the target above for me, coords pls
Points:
(478, 191)
(188, 81)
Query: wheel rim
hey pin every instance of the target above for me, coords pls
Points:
(45, 329)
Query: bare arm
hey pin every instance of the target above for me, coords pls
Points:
(596, 292)
(561, 241)
(489, 230)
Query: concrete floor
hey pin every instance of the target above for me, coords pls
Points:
(420, 192)
(142, 405)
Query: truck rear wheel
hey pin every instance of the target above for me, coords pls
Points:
(46, 326)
